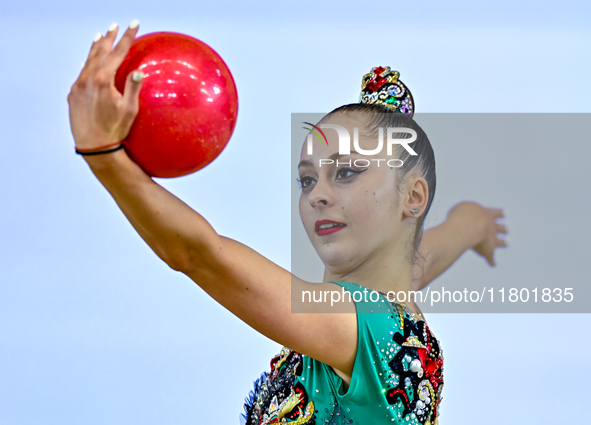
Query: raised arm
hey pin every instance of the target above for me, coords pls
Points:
(468, 226)
(249, 285)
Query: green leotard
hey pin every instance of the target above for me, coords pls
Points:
(397, 375)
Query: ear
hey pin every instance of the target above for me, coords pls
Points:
(416, 197)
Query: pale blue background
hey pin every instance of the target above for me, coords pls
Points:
(95, 329)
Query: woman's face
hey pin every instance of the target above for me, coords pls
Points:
(350, 212)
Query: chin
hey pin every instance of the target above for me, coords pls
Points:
(336, 259)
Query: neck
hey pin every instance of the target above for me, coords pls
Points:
(391, 271)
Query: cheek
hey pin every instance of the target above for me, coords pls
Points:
(301, 209)
(373, 208)
(304, 211)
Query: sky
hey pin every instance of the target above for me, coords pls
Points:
(96, 329)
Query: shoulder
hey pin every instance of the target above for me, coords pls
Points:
(327, 322)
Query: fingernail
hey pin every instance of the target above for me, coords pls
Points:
(83, 63)
(113, 26)
(137, 76)
(97, 36)
(134, 24)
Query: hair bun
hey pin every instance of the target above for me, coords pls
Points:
(383, 87)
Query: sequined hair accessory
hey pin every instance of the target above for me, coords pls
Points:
(383, 87)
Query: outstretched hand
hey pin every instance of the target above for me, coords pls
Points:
(99, 114)
(492, 229)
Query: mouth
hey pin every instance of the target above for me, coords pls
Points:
(326, 227)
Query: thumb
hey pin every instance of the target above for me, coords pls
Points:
(133, 84)
(491, 261)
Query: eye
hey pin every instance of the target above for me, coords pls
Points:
(344, 172)
(305, 182)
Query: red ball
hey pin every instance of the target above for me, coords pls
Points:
(188, 104)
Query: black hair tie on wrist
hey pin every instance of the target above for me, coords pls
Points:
(101, 152)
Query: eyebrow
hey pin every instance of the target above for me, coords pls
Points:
(336, 155)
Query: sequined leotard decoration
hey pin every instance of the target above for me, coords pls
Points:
(397, 376)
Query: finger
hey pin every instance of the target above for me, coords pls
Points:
(110, 37)
(491, 260)
(88, 65)
(95, 58)
(129, 102)
(498, 212)
(501, 228)
(117, 55)
(100, 48)
(503, 243)
(94, 46)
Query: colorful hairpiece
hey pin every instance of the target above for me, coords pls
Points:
(382, 86)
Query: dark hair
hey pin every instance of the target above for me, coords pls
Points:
(422, 164)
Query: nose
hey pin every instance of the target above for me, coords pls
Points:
(321, 195)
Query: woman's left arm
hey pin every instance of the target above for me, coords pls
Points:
(468, 226)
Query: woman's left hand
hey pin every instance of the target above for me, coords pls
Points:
(490, 234)
(469, 225)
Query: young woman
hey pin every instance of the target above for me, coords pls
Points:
(380, 364)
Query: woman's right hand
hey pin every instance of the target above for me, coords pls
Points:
(100, 116)
(249, 285)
